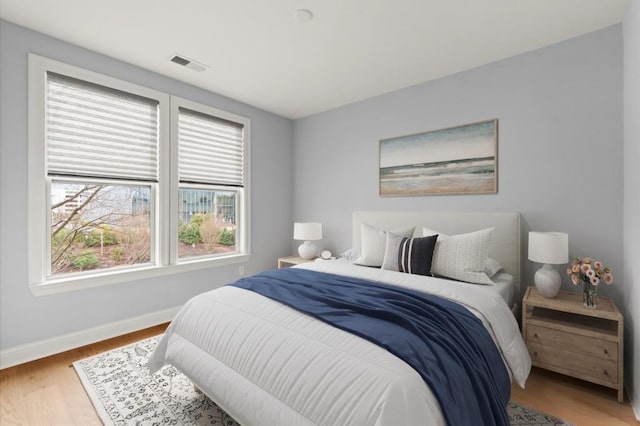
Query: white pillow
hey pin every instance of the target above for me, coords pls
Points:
(492, 267)
(462, 257)
(373, 243)
(390, 260)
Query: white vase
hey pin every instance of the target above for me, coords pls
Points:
(547, 281)
(307, 250)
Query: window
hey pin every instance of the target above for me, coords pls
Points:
(127, 182)
(211, 181)
(99, 136)
(207, 221)
(97, 225)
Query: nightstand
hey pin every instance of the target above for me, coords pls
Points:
(564, 336)
(286, 262)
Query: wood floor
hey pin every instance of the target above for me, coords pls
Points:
(48, 392)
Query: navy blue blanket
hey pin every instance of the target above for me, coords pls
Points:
(446, 344)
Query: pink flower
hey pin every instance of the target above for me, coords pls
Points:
(590, 271)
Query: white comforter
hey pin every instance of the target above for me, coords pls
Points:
(268, 364)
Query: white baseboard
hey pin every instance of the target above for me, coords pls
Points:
(32, 351)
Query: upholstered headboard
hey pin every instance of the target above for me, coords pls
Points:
(506, 240)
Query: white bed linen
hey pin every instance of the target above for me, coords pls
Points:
(483, 301)
(505, 286)
(266, 363)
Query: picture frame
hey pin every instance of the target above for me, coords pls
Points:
(454, 160)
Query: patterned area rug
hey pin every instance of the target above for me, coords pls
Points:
(124, 393)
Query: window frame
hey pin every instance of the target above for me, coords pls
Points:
(242, 201)
(164, 212)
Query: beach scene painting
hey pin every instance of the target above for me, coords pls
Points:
(457, 160)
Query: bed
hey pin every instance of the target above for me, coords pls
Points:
(264, 362)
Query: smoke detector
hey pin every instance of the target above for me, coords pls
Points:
(188, 63)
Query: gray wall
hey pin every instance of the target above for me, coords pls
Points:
(25, 318)
(560, 148)
(631, 254)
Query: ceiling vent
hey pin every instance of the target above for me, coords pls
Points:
(188, 63)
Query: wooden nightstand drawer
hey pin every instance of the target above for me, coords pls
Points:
(571, 342)
(575, 364)
(564, 336)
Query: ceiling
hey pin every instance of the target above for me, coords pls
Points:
(257, 53)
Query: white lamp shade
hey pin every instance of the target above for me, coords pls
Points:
(307, 231)
(549, 247)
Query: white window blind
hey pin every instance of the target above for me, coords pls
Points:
(211, 150)
(95, 131)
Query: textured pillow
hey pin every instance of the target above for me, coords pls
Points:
(373, 243)
(410, 255)
(462, 257)
(492, 267)
(390, 261)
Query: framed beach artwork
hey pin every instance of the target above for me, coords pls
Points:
(456, 160)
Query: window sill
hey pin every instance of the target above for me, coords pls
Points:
(61, 285)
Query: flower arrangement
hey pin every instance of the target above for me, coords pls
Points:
(586, 270)
(589, 273)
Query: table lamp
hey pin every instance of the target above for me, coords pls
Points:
(307, 232)
(548, 248)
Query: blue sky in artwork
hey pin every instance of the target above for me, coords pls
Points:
(470, 141)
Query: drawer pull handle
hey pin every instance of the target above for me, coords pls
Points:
(535, 335)
(535, 354)
(606, 373)
(606, 351)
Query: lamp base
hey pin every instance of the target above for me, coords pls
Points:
(547, 281)
(307, 250)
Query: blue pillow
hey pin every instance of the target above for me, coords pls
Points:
(409, 255)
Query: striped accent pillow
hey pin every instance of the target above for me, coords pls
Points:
(409, 255)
